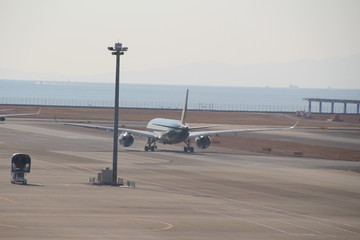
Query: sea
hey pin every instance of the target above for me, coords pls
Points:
(225, 98)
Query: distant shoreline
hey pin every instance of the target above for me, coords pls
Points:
(140, 96)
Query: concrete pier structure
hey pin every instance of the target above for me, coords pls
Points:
(332, 101)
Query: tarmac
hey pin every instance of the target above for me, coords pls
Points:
(210, 194)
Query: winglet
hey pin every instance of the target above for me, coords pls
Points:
(183, 115)
(57, 120)
(297, 122)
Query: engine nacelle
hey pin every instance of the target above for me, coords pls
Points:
(203, 142)
(126, 139)
(2, 118)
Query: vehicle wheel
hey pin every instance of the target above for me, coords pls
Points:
(185, 149)
(146, 148)
(152, 148)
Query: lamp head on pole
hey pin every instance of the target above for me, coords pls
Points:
(118, 49)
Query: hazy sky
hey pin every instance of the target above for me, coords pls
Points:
(72, 36)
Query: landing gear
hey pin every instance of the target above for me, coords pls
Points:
(151, 145)
(152, 148)
(188, 148)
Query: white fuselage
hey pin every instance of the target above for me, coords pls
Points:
(168, 131)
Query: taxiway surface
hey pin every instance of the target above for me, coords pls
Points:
(212, 194)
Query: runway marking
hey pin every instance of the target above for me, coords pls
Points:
(309, 229)
(280, 212)
(169, 226)
(244, 220)
(65, 166)
(340, 229)
(111, 235)
(324, 224)
(8, 226)
(268, 226)
(52, 132)
(8, 200)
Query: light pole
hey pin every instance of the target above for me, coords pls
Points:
(117, 50)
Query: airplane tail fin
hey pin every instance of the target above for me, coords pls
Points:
(183, 115)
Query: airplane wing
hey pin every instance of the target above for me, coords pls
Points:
(20, 114)
(235, 131)
(132, 131)
(3, 110)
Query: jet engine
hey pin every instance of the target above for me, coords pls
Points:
(126, 139)
(2, 118)
(203, 142)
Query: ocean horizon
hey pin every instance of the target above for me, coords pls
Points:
(34, 92)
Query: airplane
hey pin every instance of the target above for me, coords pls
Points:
(171, 131)
(4, 116)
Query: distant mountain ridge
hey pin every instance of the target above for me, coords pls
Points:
(335, 72)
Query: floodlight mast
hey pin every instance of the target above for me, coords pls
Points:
(117, 50)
